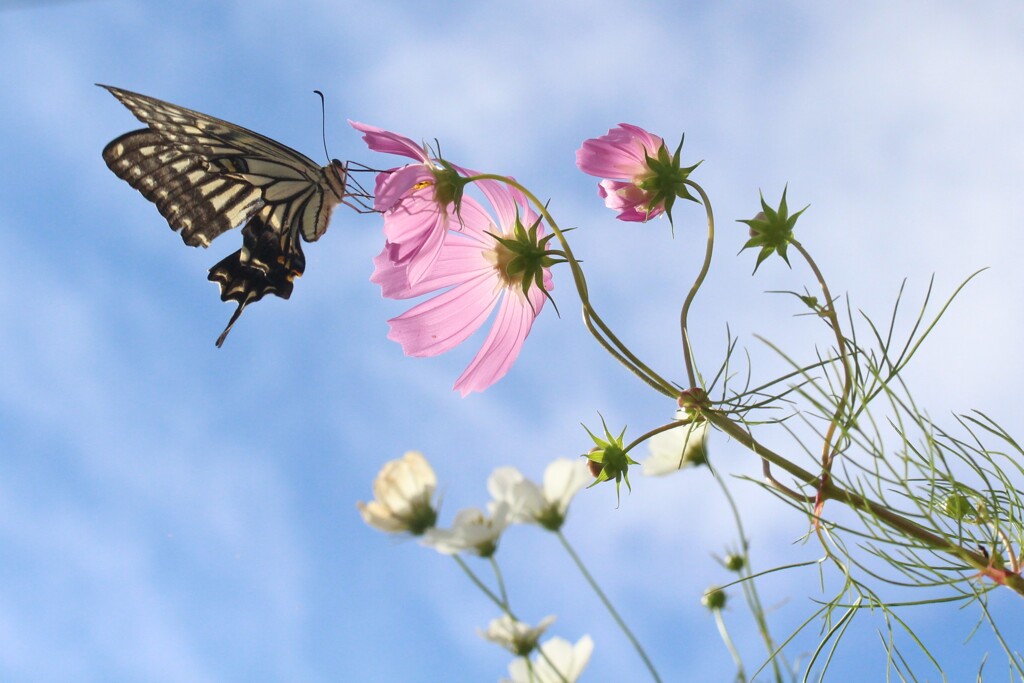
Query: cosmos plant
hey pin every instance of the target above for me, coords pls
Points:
(903, 510)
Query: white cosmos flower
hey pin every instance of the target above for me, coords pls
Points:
(569, 661)
(403, 490)
(530, 503)
(518, 638)
(472, 531)
(676, 448)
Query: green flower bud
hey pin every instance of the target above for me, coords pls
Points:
(959, 507)
(714, 599)
(771, 230)
(609, 458)
(734, 562)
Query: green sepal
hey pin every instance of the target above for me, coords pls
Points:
(449, 186)
(667, 181)
(530, 256)
(771, 230)
(610, 453)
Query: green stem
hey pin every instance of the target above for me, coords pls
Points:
(828, 452)
(657, 430)
(501, 581)
(502, 604)
(749, 587)
(608, 605)
(724, 633)
(684, 312)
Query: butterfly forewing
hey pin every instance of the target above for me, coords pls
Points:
(198, 203)
(207, 176)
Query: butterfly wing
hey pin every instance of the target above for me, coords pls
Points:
(207, 176)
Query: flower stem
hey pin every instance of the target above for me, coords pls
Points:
(657, 430)
(501, 581)
(608, 605)
(829, 309)
(684, 312)
(749, 587)
(724, 633)
(500, 602)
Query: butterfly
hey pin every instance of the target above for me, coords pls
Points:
(207, 176)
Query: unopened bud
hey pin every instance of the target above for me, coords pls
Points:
(958, 506)
(734, 562)
(692, 398)
(714, 599)
(759, 217)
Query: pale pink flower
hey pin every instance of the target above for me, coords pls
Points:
(417, 201)
(562, 662)
(545, 505)
(471, 271)
(472, 532)
(676, 448)
(623, 157)
(518, 638)
(403, 492)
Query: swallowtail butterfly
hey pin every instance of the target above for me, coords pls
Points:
(207, 176)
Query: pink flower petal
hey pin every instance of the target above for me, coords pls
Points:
(460, 259)
(407, 226)
(415, 230)
(508, 202)
(442, 323)
(504, 341)
(629, 200)
(620, 153)
(393, 185)
(618, 195)
(465, 264)
(425, 256)
(380, 140)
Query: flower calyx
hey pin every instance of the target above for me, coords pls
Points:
(449, 184)
(667, 179)
(714, 599)
(609, 459)
(771, 230)
(515, 636)
(693, 402)
(522, 256)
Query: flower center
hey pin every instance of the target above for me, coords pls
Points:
(500, 257)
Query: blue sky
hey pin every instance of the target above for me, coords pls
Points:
(174, 512)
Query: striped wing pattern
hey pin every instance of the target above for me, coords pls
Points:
(207, 176)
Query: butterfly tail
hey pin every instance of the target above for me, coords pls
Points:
(267, 263)
(231, 323)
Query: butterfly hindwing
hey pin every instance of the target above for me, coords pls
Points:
(267, 263)
(207, 176)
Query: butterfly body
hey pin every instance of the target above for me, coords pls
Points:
(207, 176)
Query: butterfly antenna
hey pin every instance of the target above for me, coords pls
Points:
(323, 123)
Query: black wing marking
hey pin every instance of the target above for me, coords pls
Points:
(267, 263)
(207, 176)
(195, 199)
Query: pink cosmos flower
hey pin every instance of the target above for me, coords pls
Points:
(471, 271)
(417, 200)
(626, 153)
